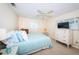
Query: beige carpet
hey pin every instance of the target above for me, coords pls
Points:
(58, 49)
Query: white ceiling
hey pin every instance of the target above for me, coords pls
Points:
(30, 9)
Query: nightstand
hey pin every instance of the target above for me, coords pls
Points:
(2, 46)
(46, 33)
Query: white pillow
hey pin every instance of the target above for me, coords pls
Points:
(24, 35)
(6, 36)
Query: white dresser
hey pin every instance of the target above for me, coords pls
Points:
(64, 36)
(75, 39)
(69, 36)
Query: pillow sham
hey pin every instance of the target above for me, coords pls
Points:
(10, 37)
(19, 36)
(14, 36)
(7, 35)
(24, 35)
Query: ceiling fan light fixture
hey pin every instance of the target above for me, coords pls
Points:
(45, 12)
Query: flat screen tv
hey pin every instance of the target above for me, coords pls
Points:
(63, 25)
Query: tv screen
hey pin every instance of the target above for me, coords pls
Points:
(63, 25)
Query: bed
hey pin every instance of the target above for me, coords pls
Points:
(17, 45)
(36, 42)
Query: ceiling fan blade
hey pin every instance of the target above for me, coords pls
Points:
(50, 12)
(44, 14)
(40, 12)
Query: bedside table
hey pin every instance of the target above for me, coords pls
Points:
(2, 46)
(0, 52)
(46, 33)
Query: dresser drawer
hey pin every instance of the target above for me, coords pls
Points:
(76, 42)
(76, 37)
(63, 35)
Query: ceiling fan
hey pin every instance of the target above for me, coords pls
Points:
(45, 14)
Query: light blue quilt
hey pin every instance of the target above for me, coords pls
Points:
(36, 42)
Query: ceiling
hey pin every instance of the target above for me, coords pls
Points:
(30, 9)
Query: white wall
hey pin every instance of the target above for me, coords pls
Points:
(8, 18)
(52, 22)
(31, 24)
